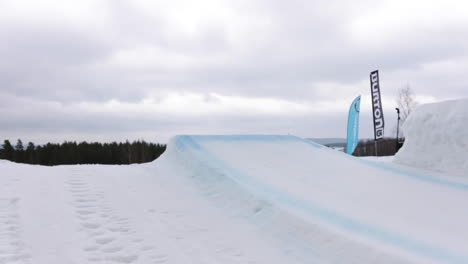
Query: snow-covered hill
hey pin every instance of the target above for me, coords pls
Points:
(232, 199)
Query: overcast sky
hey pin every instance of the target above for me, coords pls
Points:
(115, 69)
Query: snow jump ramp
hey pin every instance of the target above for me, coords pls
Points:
(321, 204)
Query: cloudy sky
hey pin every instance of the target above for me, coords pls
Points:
(117, 69)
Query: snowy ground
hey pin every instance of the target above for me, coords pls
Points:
(233, 199)
(117, 214)
(385, 159)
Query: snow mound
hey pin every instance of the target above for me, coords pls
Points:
(437, 138)
(319, 203)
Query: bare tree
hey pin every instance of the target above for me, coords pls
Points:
(406, 102)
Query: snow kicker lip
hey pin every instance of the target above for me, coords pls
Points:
(412, 246)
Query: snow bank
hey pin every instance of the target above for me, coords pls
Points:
(437, 138)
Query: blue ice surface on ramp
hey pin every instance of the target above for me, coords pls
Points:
(423, 249)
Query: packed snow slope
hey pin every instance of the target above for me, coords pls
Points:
(437, 137)
(233, 199)
(379, 208)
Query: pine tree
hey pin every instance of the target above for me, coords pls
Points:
(8, 150)
(30, 153)
(19, 151)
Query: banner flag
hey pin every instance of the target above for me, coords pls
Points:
(377, 106)
(353, 126)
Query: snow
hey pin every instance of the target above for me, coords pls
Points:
(117, 214)
(385, 159)
(233, 199)
(353, 198)
(437, 138)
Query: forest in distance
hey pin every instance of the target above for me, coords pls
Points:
(70, 152)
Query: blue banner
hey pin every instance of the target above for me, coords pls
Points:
(353, 126)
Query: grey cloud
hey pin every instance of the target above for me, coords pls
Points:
(57, 122)
(46, 61)
(305, 44)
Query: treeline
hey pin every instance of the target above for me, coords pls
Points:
(81, 153)
(385, 147)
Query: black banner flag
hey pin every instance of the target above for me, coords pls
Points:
(377, 106)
